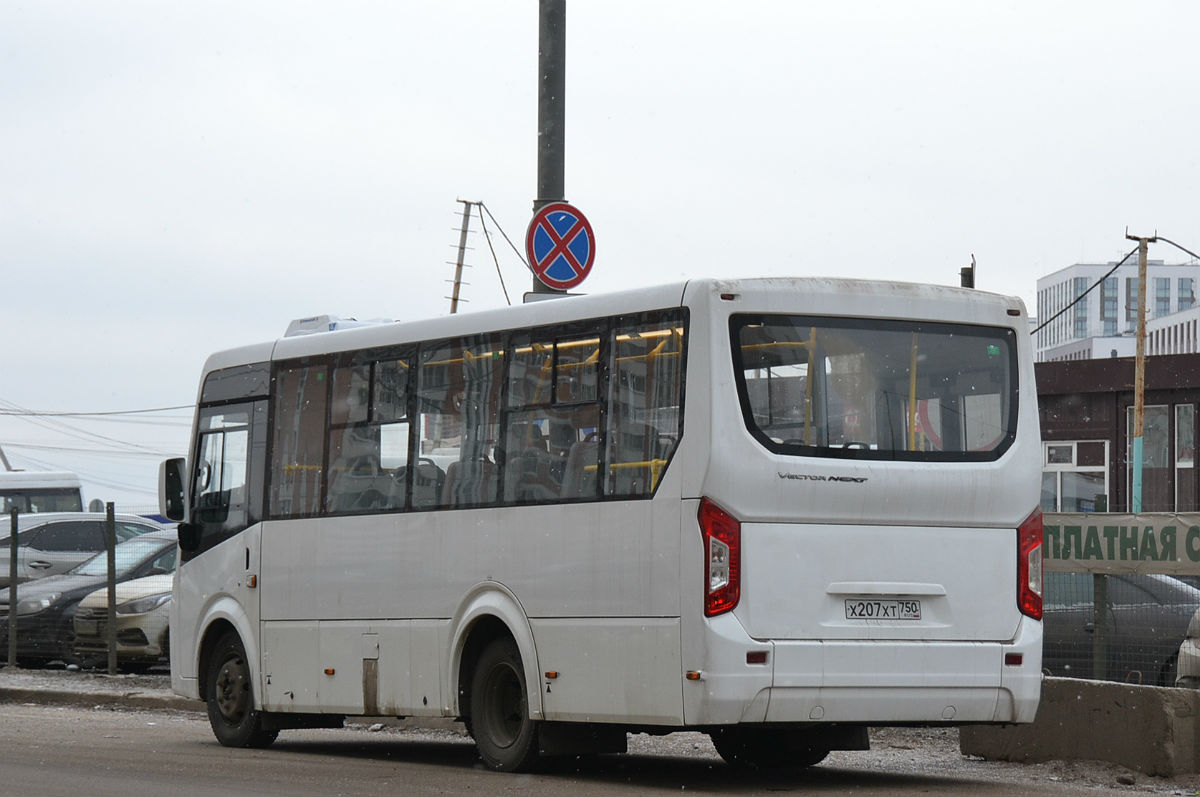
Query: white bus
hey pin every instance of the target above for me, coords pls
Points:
(40, 491)
(778, 511)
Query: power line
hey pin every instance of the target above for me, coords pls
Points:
(20, 411)
(99, 451)
(1177, 246)
(1073, 302)
(71, 431)
(487, 237)
(502, 232)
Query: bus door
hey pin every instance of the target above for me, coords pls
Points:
(227, 505)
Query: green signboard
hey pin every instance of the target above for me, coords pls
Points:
(1151, 542)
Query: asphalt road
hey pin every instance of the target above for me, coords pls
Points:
(65, 750)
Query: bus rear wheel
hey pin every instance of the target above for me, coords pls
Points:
(229, 696)
(761, 748)
(505, 735)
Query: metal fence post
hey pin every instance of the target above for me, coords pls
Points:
(1100, 627)
(12, 591)
(110, 544)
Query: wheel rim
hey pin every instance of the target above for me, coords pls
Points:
(504, 704)
(232, 691)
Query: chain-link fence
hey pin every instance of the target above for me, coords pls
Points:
(1120, 594)
(85, 589)
(1116, 627)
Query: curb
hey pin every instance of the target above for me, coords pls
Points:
(54, 697)
(149, 700)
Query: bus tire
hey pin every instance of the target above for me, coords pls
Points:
(761, 748)
(505, 735)
(229, 695)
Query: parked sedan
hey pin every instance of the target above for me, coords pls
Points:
(49, 543)
(46, 607)
(1146, 617)
(142, 606)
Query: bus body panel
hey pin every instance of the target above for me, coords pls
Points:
(640, 684)
(378, 566)
(834, 582)
(217, 589)
(373, 668)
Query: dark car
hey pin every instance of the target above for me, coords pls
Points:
(1146, 616)
(46, 607)
(49, 543)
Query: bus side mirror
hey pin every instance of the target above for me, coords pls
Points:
(170, 489)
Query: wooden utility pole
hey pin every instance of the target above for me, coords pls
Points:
(462, 252)
(1139, 373)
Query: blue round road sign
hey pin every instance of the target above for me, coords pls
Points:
(560, 245)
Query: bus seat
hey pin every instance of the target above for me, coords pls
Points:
(353, 487)
(577, 478)
(562, 436)
(428, 483)
(469, 482)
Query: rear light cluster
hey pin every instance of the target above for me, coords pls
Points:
(1029, 566)
(722, 534)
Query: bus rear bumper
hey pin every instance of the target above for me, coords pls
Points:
(878, 682)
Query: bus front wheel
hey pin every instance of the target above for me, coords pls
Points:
(759, 748)
(505, 734)
(230, 697)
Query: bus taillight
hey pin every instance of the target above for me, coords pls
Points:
(1029, 566)
(722, 563)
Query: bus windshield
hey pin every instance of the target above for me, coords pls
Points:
(876, 389)
(64, 499)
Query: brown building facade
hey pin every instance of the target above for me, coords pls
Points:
(1087, 409)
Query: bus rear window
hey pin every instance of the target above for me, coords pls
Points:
(876, 389)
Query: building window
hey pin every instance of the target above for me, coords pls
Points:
(1185, 458)
(1075, 476)
(1162, 296)
(1156, 464)
(1108, 306)
(1080, 328)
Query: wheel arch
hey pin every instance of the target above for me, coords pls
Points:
(488, 612)
(223, 616)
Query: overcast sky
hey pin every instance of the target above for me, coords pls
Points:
(183, 177)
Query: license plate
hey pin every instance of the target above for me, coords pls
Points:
(87, 627)
(871, 609)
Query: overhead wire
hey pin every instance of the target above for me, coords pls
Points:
(1177, 246)
(1076, 300)
(520, 255)
(60, 427)
(49, 414)
(495, 259)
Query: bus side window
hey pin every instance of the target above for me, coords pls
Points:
(221, 477)
(298, 444)
(553, 396)
(458, 403)
(646, 393)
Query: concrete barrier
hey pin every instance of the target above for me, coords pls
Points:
(1146, 728)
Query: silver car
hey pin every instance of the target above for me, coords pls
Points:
(49, 543)
(143, 606)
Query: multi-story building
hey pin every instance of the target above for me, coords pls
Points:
(1102, 324)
